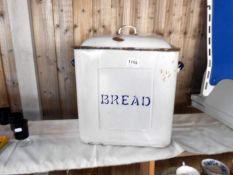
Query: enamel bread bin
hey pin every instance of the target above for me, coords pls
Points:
(126, 89)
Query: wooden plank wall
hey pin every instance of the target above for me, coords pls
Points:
(8, 61)
(3, 91)
(59, 25)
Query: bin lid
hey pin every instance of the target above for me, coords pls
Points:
(128, 42)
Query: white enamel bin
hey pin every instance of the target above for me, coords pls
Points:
(126, 88)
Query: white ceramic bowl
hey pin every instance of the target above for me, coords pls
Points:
(214, 167)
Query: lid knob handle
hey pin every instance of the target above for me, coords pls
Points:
(119, 32)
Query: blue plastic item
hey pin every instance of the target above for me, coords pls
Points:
(222, 38)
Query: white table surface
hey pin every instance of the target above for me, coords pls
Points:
(56, 145)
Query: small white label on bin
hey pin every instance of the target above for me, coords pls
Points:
(131, 62)
(18, 130)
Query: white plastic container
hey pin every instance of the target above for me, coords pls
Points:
(126, 89)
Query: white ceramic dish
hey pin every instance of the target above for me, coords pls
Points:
(214, 167)
(187, 170)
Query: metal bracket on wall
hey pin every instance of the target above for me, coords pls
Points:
(206, 86)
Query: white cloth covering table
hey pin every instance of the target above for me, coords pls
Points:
(55, 145)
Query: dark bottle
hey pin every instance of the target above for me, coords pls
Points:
(4, 115)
